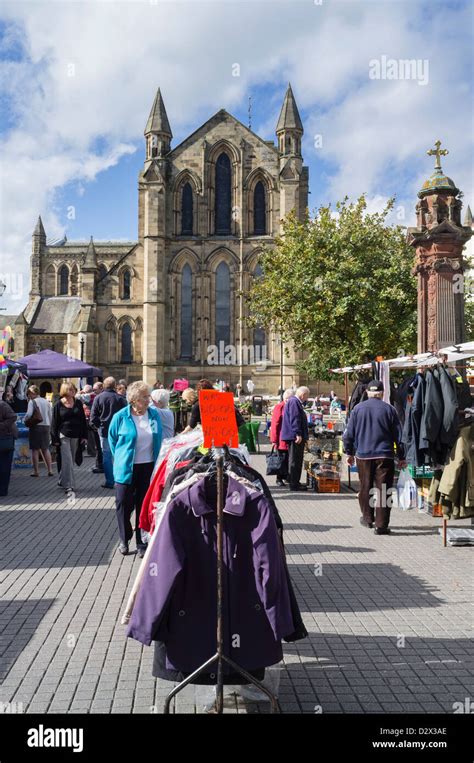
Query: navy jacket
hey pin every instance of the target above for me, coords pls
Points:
(372, 430)
(104, 408)
(294, 420)
(177, 603)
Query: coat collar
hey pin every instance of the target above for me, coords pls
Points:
(235, 499)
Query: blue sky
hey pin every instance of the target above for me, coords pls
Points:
(78, 80)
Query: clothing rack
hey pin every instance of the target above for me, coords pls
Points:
(219, 656)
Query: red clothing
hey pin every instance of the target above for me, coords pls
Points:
(153, 495)
(275, 428)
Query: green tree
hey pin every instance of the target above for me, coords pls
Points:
(339, 287)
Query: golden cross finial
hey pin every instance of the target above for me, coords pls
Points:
(437, 152)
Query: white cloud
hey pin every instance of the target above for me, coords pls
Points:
(375, 133)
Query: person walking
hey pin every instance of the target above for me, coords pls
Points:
(275, 438)
(372, 430)
(86, 396)
(97, 388)
(104, 408)
(134, 436)
(294, 431)
(39, 435)
(122, 388)
(69, 431)
(8, 435)
(160, 399)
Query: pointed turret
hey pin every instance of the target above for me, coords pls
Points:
(39, 230)
(157, 131)
(289, 115)
(90, 261)
(468, 217)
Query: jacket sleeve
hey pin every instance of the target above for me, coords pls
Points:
(83, 421)
(95, 413)
(166, 562)
(348, 438)
(112, 434)
(275, 426)
(270, 573)
(29, 410)
(397, 435)
(55, 424)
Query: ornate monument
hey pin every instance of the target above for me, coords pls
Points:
(439, 239)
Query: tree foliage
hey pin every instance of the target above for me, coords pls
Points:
(339, 286)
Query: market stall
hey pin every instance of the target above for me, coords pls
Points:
(434, 404)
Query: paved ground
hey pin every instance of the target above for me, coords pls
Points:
(388, 617)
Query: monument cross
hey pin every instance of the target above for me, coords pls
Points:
(438, 152)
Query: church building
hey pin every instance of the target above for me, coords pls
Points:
(170, 303)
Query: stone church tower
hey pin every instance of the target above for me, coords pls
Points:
(170, 304)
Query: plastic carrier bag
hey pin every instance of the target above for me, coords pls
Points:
(407, 491)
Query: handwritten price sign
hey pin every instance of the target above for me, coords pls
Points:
(218, 420)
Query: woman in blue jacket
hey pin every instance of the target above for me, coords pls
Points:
(134, 436)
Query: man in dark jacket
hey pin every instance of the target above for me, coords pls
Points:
(372, 430)
(294, 431)
(104, 407)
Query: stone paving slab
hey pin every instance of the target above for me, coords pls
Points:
(389, 617)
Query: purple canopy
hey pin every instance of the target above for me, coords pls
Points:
(48, 363)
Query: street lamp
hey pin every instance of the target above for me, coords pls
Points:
(82, 342)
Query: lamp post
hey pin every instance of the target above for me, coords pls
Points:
(281, 368)
(82, 342)
(3, 286)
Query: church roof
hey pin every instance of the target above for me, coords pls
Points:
(56, 315)
(438, 182)
(289, 115)
(158, 119)
(221, 115)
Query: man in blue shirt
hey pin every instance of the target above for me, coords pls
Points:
(371, 433)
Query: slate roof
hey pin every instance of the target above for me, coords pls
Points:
(56, 315)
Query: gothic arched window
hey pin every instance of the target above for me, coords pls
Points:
(223, 304)
(126, 284)
(63, 280)
(223, 196)
(259, 336)
(187, 210)
(259, 210)
(186, 312)
(126, 349)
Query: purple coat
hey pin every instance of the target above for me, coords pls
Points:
(294, 420)
(177, 599)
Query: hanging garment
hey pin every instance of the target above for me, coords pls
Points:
(178, 606)
(432, 419)
(400, 394)
(359, 393)
(449, 426)
(416, 448)
(456, 486)
(384, 377)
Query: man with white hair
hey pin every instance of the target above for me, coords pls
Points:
(294, 431)
(161, 399)
(372, 430)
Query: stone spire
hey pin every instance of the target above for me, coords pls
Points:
(158, 131)
(289, 118)
(468, 217)
(39, 230)
(90, 261)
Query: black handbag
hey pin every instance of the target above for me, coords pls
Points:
(274, 462)
(79, 453)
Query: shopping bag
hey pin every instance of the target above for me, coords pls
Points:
(274, 462)
(407, 491)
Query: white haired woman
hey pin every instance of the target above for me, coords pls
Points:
(134, 436)
(161, 399)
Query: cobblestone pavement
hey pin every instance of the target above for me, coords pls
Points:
(388, 616)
